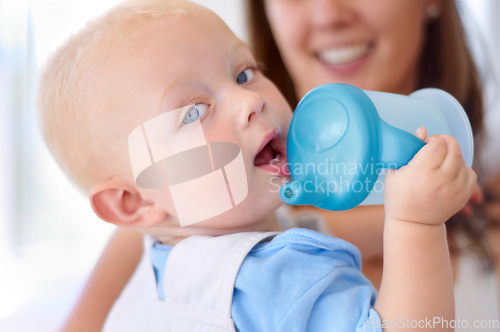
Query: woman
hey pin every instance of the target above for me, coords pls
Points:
(392, 45)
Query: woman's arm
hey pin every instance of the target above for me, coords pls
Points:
(492, 211)
(362, 226)
(109, 277)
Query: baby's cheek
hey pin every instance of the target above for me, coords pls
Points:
(161, 197)
(220, 131)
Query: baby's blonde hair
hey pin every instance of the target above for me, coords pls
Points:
(67, 110)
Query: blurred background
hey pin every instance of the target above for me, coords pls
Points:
(49, 236)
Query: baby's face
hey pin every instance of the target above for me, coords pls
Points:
(184, 85)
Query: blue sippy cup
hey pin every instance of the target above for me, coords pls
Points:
(341, 140)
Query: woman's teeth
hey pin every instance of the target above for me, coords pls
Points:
(344, 54)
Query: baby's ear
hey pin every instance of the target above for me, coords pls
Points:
(123, 205)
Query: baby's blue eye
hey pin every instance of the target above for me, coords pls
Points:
(195, 113)
(245, 76)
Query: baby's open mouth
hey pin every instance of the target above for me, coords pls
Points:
(268, 155)
(272, 157)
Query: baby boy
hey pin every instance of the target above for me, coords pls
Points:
(133, 104)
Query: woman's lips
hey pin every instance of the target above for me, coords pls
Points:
(343, 55)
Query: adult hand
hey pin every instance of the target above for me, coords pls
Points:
(492, 204)
(475, 200)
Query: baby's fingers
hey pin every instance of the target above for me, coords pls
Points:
(421, 133)
(463, 186)
(471, 181)
(454, 161)
(432, 154)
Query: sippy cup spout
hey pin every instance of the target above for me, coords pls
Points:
(288, 195)
(292, 193)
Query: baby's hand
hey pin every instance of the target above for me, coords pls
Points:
(434, 185)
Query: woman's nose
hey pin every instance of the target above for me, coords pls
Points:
(332, 13)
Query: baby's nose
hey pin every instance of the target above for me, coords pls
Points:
(250, 105)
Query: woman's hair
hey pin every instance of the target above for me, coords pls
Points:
(445, 63)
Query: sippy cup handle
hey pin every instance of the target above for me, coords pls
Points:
(397, 147)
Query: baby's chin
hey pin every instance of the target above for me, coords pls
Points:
(241, 218)
(254, 213)
(232, 221)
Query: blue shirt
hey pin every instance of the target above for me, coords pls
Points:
(301, 280)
